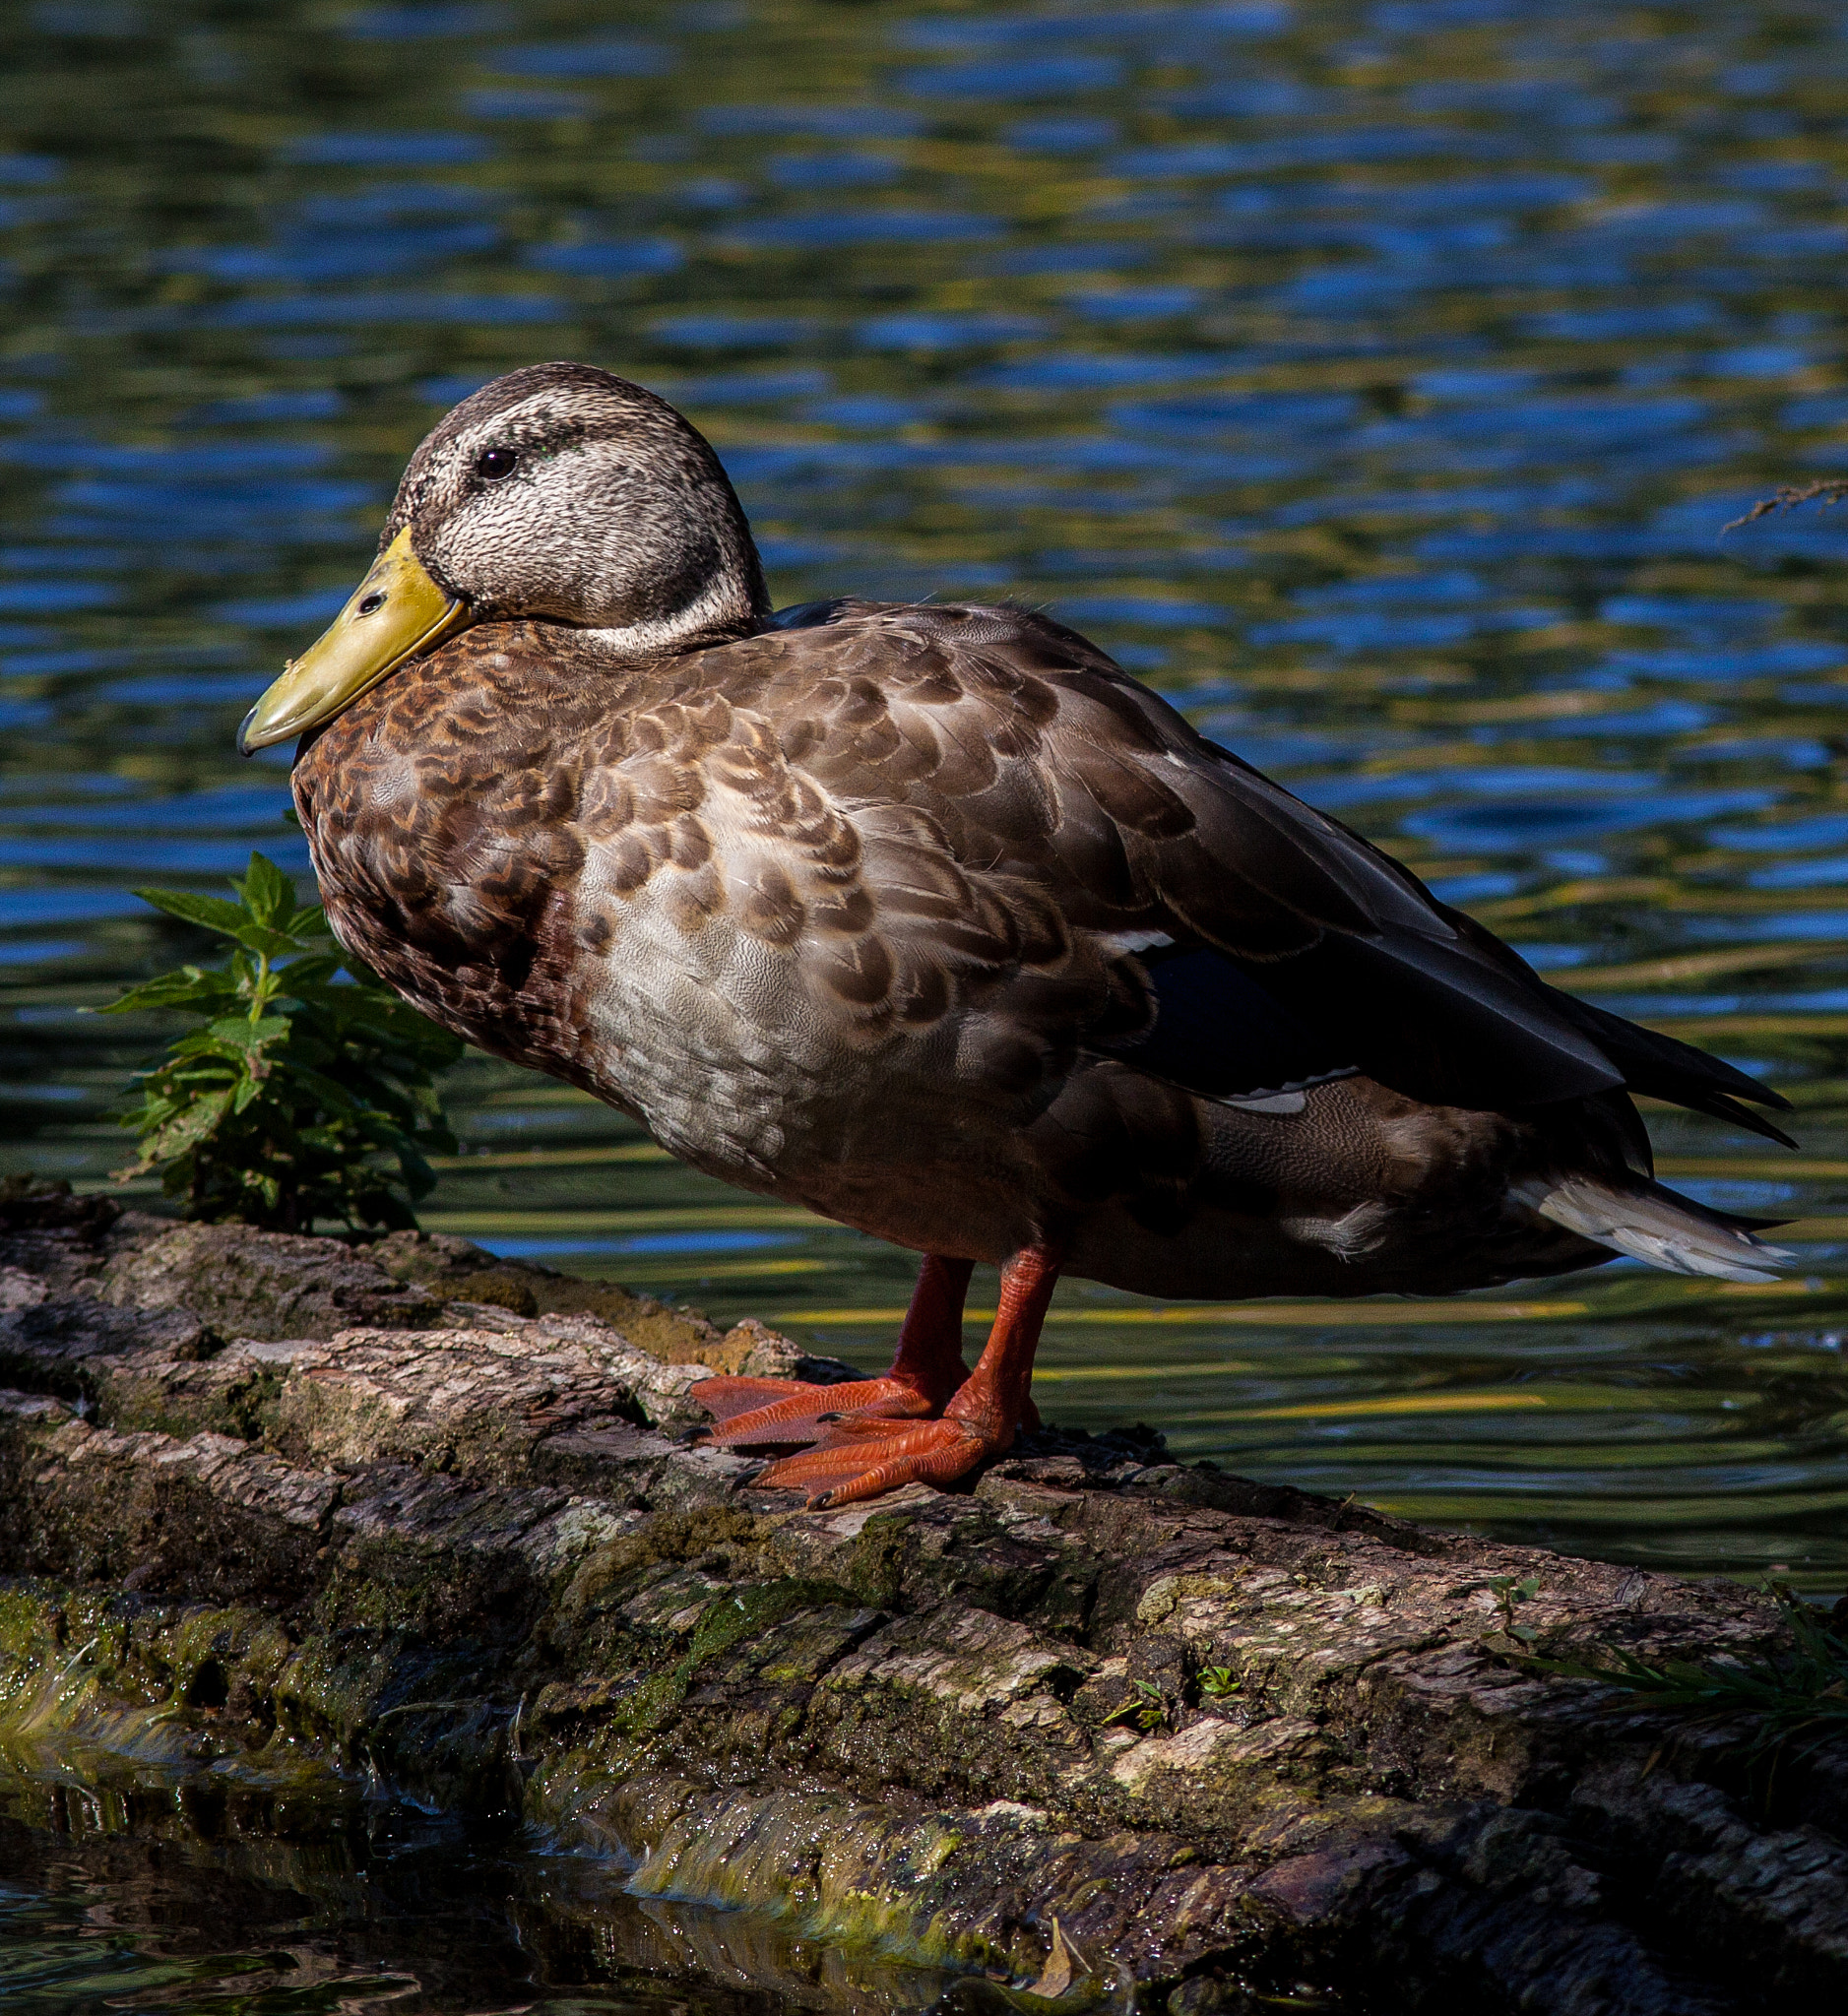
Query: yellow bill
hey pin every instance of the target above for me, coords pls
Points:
(395, 612)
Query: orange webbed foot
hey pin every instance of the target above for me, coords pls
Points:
(790, 1412)
(860, 1452)
(733, 1394)
(784, 1414)
(860, 1458)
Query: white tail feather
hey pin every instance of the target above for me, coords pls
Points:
(1654, 1224)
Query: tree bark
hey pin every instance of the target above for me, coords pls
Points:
(416, 1510)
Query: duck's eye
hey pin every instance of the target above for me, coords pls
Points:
(492, 464)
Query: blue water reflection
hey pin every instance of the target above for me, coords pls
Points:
(1380, 381)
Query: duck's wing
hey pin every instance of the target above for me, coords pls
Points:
(990, 755)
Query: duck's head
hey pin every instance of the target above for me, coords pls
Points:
(558, 492)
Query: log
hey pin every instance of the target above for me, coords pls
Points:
(1104, 1727)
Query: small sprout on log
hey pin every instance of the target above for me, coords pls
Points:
(1507, 1592)
(1147, 1707)
(298, 1089)
(1216, 1683)
(1800, 1690)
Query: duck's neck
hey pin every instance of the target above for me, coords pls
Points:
(705, 604)
(727, 606)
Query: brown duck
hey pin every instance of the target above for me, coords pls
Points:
(932, 920)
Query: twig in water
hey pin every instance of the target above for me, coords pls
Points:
(1828, 491)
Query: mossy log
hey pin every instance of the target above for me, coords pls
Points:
(1104, 1728)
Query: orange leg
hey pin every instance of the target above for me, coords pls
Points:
(859, 1458)
(929, 1369)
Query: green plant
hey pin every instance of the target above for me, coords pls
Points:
(1507, 1592)
(1799, 1688)
(1216, 1683)
(1146, 1707)
(299, 1095)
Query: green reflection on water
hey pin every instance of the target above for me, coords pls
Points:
(356, 1907)
(1374, 382)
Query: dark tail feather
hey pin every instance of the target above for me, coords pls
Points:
(1660, 1067)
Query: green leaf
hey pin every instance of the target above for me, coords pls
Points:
(244, 1034)
(311, 972)
(437, 1136)
(269, 895)
(419, 1177)
(1147, 1707)
(205, 1042)
(262, 939)
(185, 988)
(201, 1060)
(212, 911)
(229, 920)
(189, 1129)
(333, 1096)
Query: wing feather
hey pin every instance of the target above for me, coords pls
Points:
(1056, 769)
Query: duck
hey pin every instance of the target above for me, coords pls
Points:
(932, 919)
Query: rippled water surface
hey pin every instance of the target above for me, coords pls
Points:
(354, 1907)
(1376, 380)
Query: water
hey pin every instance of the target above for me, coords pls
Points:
(365, 1908)
(1376, 380)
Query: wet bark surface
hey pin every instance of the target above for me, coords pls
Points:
(1102, 1727)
